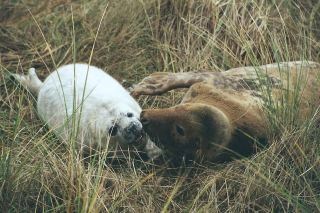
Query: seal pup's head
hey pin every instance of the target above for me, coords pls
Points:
(117, 123)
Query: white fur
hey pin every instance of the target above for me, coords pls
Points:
(76, 89)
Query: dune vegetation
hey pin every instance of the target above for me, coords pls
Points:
(131, 39)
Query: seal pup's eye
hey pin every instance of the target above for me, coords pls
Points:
(180, 130)
(113, 130)
(130, 114)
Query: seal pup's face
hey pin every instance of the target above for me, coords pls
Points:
(187, 129)
(126, 127)
(120, 123)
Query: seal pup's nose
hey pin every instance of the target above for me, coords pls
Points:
(134, 128)
(133, 132)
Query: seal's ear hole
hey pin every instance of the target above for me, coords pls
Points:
(113, 130)
(180, 130)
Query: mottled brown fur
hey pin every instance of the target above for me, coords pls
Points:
(222, 112)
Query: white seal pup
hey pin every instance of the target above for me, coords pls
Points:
(83, 99)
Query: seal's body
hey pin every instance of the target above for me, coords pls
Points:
(223, 111)
(83, 101)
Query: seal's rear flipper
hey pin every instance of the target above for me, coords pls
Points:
(31, 82)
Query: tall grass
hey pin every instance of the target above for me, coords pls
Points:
(39, 173)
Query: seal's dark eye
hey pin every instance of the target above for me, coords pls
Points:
(180, 130)
(113, 130)
(130, 114)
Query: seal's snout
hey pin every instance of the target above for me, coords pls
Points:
(133, 132)
(145, 121)
(154, 122)
(134, 128)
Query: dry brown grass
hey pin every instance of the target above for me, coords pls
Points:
(137, 37)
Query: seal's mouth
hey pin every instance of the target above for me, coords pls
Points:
(156, 140)
(134, 139)
(158, 143)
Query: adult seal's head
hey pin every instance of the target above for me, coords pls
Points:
(188, 129)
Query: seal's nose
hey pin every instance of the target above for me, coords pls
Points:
(145, 121)
(133, 132)
(134, 128)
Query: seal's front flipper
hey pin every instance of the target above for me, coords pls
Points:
(161, 82)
